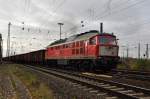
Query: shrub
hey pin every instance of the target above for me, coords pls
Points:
(142, 64)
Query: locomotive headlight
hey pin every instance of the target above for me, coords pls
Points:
(110, 47)
(112, 53)
(100, 57)
(108, 51)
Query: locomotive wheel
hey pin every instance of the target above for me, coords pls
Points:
(87, 65)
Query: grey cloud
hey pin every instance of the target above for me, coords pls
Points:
(44, 15)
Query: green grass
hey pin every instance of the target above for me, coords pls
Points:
(136, 64)
(43, 92)
(37, 88)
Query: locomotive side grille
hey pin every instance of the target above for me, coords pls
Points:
(108, 51)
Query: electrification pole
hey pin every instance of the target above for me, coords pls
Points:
(1, 47)
(147, 51)
(8, 41)
(139, 48)
(60, 24)
(127, 52)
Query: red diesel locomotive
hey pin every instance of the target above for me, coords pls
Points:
(89, 50)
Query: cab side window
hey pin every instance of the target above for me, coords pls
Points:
(92, 41)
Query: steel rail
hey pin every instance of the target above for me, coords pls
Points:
(96, 84)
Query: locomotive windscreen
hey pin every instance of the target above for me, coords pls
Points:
(108, 46)
(107, 40)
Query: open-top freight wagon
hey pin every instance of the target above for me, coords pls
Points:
(35, 57)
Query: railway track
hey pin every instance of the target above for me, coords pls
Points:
(109, 88)
(132, 71)
(138, 75)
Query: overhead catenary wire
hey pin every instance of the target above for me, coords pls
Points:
(86, 19)
(117, 6)
(135, 25)
(79, 26)
(54, 10)
(125, 8)
(118, 11)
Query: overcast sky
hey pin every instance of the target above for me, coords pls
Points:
(128, 19)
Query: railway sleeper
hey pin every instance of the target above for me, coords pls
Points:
(87, 89)
(89, 92)
(105, 85)
(118, 89)
(81, 87)
(94, 91)
(95, 94)
(80, 91)
(110, 87)
(144, 97)
(127, 91)
(111, 97)
(100, 83)
(136, 94)
(76, 85)
(100, 96)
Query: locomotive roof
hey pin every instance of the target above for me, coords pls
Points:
(78, 37)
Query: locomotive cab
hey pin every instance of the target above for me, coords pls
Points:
(106, 50)
(107, 45)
